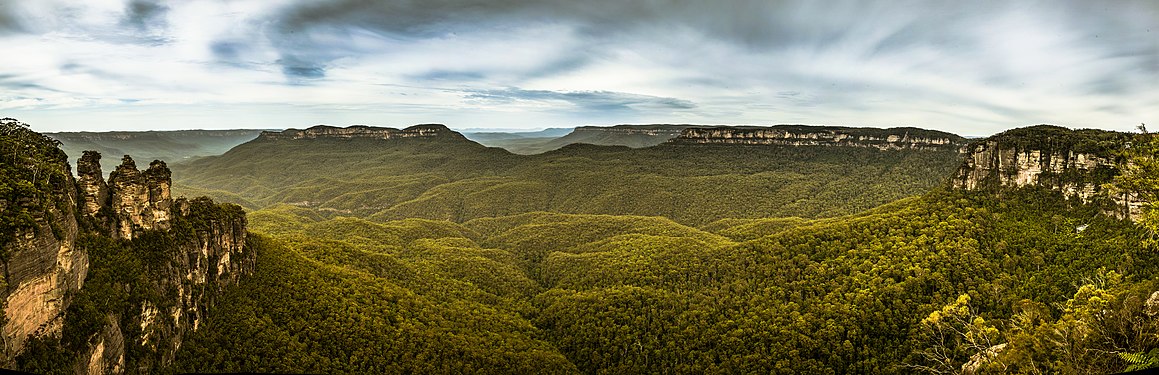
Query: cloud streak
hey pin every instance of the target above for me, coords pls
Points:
(967, 67)
(598, 101)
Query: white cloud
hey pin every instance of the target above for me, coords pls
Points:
(967, 68)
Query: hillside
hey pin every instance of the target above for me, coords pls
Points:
(873, 292)
(996, 266)
(630, 294)
(452, 178)
(175, 146)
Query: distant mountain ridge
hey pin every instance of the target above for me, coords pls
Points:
(809, 135)
(429, 171)
(648, 135)
(363, 132)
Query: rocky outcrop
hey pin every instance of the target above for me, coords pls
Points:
(140, 200)
(212, 256)
(978, 360)
(1151, 307)
(804, 135)
(363, 132)
(204, 252)
(106, 355)
(94, 191)
(185, 252)
(1076, 163)
(665, 131)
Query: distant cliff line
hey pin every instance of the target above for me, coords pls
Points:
(683, 134)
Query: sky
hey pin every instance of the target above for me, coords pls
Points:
(967, 67)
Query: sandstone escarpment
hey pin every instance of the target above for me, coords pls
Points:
(363, 132)
(196, 248)
(140, 200)
(1076, 163)
(42, 267)
(94, 190)
(210, 254)
(162, 262)
(667, 131)
(803, 135)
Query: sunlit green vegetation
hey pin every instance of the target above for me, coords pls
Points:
(632, 294)
(444, 256)
(458, 180)
(673, 258)
(33, 181)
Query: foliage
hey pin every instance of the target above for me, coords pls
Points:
(33, 175)
(1141, 361)
(458, 180)
(959, 340)
(299, 315)
(624, 294)
(444, 257)
(1140, 179)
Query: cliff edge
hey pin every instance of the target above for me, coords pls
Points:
(1077, 163)
(807, 135)
(430, 131)
(107, 275)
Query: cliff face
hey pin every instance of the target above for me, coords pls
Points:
(803, 135)
(1076, 163)
(208, 256)
(42, 266)
(667, 131)
(363, 132)
(57, 232)
(140, 200)
(93, 189)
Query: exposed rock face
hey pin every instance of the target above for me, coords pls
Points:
(667, 131)
(803, 135)
(192, 278)
(140, 201)
(364, 132)
(207, 256)
(107, 355)
(94, 190)
(189, 252)
(1076, 163)
(43, 267)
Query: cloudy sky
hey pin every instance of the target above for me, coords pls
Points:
(969, 67)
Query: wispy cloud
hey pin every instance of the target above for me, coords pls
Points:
(588, 100)
(969, 67)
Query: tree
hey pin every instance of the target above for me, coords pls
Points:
(960, 341)
(1140, 179)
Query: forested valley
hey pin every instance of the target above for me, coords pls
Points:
(439, 255)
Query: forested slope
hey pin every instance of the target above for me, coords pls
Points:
(616, 294)
(454, 179)
(470, 271)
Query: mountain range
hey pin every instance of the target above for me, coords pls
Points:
(790, 248)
